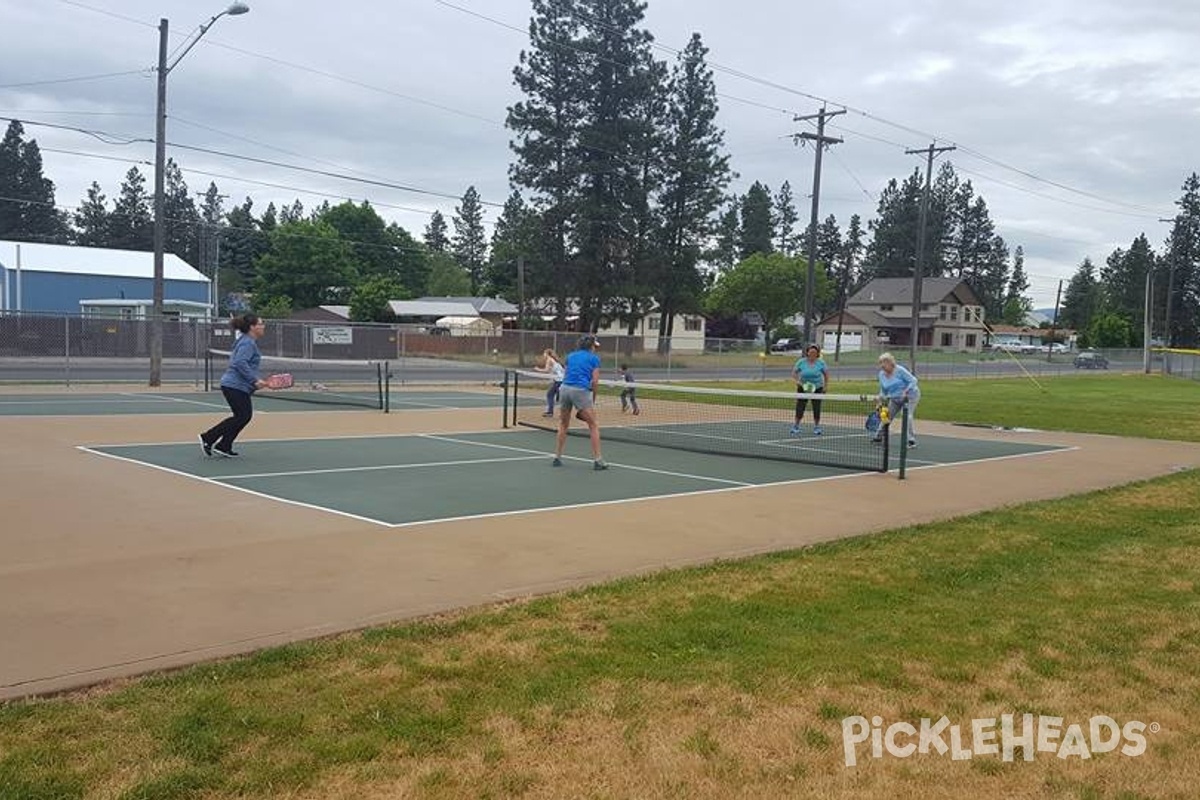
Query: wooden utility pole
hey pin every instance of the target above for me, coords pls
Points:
(1054, 322)
(821, 141)
(919, 266)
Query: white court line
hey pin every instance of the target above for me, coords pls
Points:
(940, 464)
(175, 399)
(625, 500)
(235, 488)
(375, 468)
(487, 515)
(576, 458)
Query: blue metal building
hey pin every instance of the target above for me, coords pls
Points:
(56, 278)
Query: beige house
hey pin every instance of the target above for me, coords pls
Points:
(687, 331)
(880, 316)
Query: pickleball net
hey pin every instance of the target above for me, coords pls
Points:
(318, 381)
(729, 422)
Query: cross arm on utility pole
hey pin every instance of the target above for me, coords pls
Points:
(821, 141)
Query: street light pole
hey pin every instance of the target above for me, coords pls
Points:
(160, 168)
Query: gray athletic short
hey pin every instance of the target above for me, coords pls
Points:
(575, 397)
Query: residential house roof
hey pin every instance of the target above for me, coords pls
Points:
(898, 291)
(432, 308)
(482, 305)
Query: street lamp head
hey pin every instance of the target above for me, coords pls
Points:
(237, 8)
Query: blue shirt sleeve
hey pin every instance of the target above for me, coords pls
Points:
(241, 360)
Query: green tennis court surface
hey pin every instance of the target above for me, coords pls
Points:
(402, 480)
(202, 402)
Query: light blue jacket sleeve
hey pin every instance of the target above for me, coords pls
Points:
(242, 360)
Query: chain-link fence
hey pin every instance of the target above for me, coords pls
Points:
(52, 348)
(1182, 363)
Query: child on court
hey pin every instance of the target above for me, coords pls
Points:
(629, 393)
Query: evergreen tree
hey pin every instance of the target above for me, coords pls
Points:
(1016, 304)
(696, 174)
(516, 235)
(847, 274)
(92, 219)
(1081, 299)
(269, 219)
(545, 126)
(620, 82)
(469, 245)
(728, 235)
(786, 219)
(757, 228)
(242, 243)
(181, 217)
(1124, 284)
(27, 209)
(212, 209)
(10, 180)
(292, 213)
(131, 222)
(892, 252)
(1181, 265)
(829, 251)
(436, 237)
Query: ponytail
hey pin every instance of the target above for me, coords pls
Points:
(244, 323)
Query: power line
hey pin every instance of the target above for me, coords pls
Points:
(420, 248)
(242, 179)
(75, 79)
(265, 161)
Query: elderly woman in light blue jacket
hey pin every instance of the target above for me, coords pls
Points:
(897, 385)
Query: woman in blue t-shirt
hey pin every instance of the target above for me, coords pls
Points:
(811, 377)
(578, 393)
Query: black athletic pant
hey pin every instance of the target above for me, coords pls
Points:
(802, 403)
(224, 432)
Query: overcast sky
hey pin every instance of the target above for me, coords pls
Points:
(1099, 97)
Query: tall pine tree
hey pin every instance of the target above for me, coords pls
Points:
(545, 126)
(696, 173)
(92, 219)
(758, 224)
(436, 237)
(132, 225)
(469, 245)
(1081, 299)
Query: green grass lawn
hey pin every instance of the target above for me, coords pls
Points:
(717, 682)
(1144, 406)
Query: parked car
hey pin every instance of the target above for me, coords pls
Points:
(786, 345)
(1055, 347)
(1006, 345)
(1090, 360)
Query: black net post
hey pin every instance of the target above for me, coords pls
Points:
(504, 419)
(903, 438)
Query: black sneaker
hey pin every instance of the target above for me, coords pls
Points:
(205, 446)
(599, 465)
(557, 462)
(225, 453)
